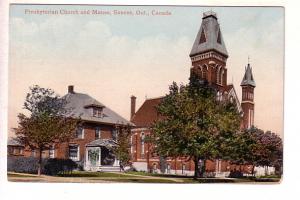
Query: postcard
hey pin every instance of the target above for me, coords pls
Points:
(145, 94)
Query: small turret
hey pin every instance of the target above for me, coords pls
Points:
(248, 85)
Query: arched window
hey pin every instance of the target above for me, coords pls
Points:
(217, 74)
(221, 73)
(204, 72)
(142, 144)
(200, 71)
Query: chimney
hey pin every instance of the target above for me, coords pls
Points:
(132, 108)
(71, 89)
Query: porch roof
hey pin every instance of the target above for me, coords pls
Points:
(102, 143)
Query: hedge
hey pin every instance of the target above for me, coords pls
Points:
(50, 166)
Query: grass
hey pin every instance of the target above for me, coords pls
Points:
(158, 175)
(95, 174)
(137, 180)
(270, 176)
(133, 177)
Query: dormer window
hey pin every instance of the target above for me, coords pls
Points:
(97, 112)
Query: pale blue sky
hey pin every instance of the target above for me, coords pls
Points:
(113, 57)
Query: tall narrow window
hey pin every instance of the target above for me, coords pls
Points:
(219, 37)
(52, 152)
(217, 75)
(97, 133)
(131, 144)
(142, 144)
(183, 168)
(168, 168)
(221, 76)
(204, 72)
(80, 132)
(74, 152)
(115, 134)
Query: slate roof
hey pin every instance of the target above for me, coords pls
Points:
(147, 113)
(79, 105)
(231, 92)
(248, 77)
(211, 30)
(13, 142)
(102, 143)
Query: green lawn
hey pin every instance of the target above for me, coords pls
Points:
(139, 180)
(130, 177)
(95, 174)
(158, 175)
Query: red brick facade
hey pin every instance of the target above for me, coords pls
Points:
(61, 150)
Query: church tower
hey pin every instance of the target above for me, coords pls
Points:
(209, 54)
(248, 85)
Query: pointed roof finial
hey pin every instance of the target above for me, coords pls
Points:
(248, 76)
(248, 59)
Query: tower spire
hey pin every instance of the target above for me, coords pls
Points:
(209, 54)
(248, 85)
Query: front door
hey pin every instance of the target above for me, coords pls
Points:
(107, 156)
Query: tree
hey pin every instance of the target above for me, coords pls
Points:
(48, 121)
(123, 145)
(194, 123)
(258, 148)
(244, 147)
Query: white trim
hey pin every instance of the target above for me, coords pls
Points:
(234, 95)
(210, 54)
(52, 152)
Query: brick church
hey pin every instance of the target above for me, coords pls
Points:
(208, 59)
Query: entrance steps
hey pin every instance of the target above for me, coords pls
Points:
(109, 168)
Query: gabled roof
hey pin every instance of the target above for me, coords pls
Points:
(80, 106)
(209, 36)
(248, 77)
(231, 92)
(102, 143)
(147, 113)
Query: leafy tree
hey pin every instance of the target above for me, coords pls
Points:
(123, 144)
(194, 123)
(244, 147)
(258, 148)
(48, 121)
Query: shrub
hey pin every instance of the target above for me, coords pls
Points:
(23, 164)
(235, 174)
(59, 166)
